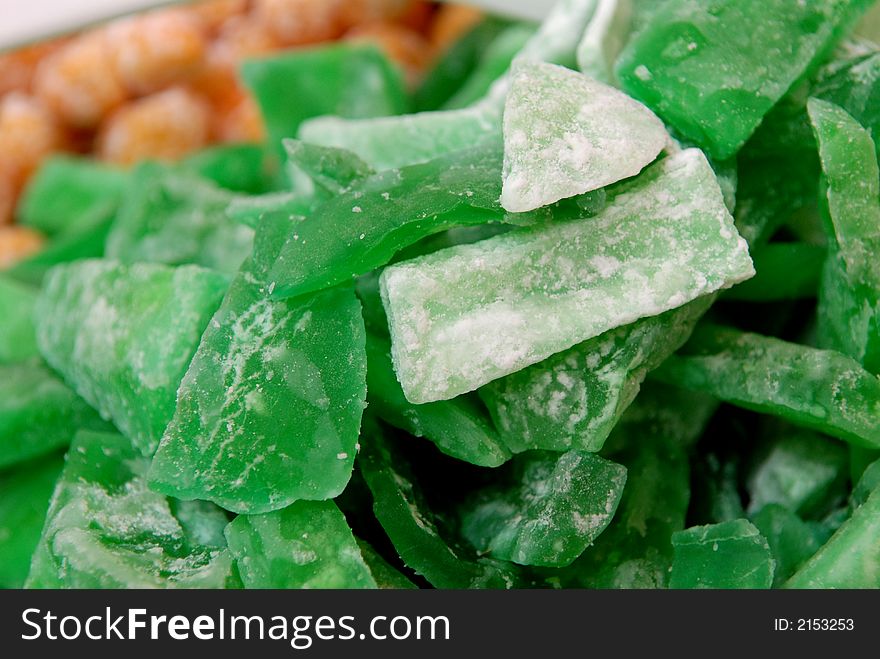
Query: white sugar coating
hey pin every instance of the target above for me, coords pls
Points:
(566, 134)
(604, 38)
(470, 314)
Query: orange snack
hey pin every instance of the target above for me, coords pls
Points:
(452, 22)
(17, 243)
(295, 22)
(7, 197)
(213, 13)
(164, 126)
(241, 122)
(17, 67)
(406, 47)
(368, 11)
(77, 83)
(28, 133)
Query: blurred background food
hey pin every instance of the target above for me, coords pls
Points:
(164, 84)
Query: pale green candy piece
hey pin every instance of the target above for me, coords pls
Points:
(604, 39)
(731, 554)
(566, 134)
(17, 340)
(467, 315)
(574, 399)
(851, 558)
(270, 407)
(545, 509)
(560, 33)
(306, 545)
(123, 336)
(106, 529)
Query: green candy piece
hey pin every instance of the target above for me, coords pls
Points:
(174, 218)
(468, 315)
(819, 389)
(68, 195)
(713, 69)
(351, 80)
(106, 529)
(731, 554)
(38, 412)
(566, 134)
(329, 171)
(458, 427)
(791, 540)
(785, 271)
(123, 336)
(851, 558)
(380, 215)
(386, 576)
(306, 545)
(849, 162)
(545, 508)
(559, 35)
(17, 341)
(803, 472)
(604, 39)
(24, 500)
(574, 399)
(401, 509)
(269, 411)
(236, 167)
(867, 483)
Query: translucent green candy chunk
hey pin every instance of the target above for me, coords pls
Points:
(566, 134)
(306, 545)
(235, 167)
(17, 341)
(791, 540)
(850, 315)
(176, 218)
(123, 336)
(573, 399)
(24, 500)
(467, 315)
(38, 412)
(270, 408)
(106, 529)
(458, 427)
(851, 558)
(386, 576)
(820, 389)
(401, 509)
(714, 68)
(547, 508)
(604, 38)
(364, 226)
(732, 554)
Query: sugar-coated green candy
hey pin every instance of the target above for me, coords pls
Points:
(106, 529)
(545, 508)
(235, 167)
(171, 217)
(713, 68)
(819, 389)
(604, 39)
(468, 315)
(68, 194)
(386, 576)
(351, 80)
(122, 336)
(18, 341)
(785, 271)
(38, 412)
(330, 171)
(791, 540)
(306, 545)
(24, 500)
(731, 554)
(365, 226)
(574, 399)
(851, 558)
(803, 472)
(400, 507)
(458, 427)
(566, 134)
(557, 39)
(269, 410)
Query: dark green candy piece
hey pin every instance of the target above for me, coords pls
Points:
(731, 554)
(235, 167)
(458, 427)
(38, 412)
(18, 341)
(785, 271)
(386, 576)
(306, 545)
(24, 500)
(545, 509)
(270, 408)
(123, 336)
(868, 482)
(819, 389)
(106, 529)
(791, 540)
(713, 69)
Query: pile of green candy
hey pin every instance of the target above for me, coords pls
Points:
(603, 311)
